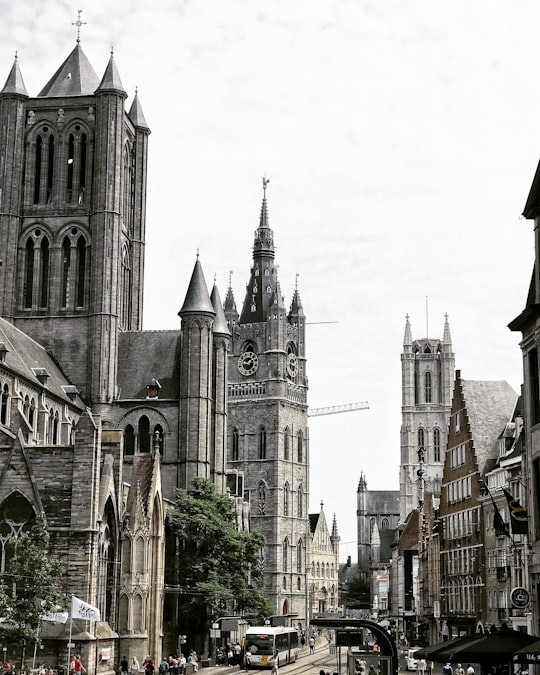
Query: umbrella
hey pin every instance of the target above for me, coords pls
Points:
(493, 648)
(443, 651)
(528, 654)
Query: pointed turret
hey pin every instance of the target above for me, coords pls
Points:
(362, 484)
(335, 533)
(197, 299)
(407, 338)
(75, 77)
(447, 339)
(14, 84)
(136, 114)
(296, 305)
(111, 79)
(220, 322)
(262, 290)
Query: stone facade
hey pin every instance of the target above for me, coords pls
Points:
(323, 577)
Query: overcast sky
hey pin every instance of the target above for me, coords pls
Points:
(400, 140)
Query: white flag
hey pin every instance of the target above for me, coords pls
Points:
(58, 617)
(82, 610)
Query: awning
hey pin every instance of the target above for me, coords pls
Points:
(493, 648)
(528, 654)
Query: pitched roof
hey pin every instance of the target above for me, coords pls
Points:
(25, 357)
(136, 114)
(75, 77)
(197, 299)
(147, 355)
(111, 79)
(14, 83)
(489, 405)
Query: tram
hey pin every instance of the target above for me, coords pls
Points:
(269, 644)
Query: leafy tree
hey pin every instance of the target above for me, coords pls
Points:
(29, 587)
(357, 594)
(218, 565)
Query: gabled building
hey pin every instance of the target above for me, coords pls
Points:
(323, 575)
(480, 410)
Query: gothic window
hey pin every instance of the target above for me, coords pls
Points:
(73, 269)
(298, 584)
(138, 616)
(125, 304)
(420, 438)
(284, 583)
(50, 168)
(126, 554)
(286, 499)
(299, 556)
(300, 496)
(44, 155)
(158, 436)
(300, 440)
(32, 412)
(436, 445)
(286, 444)
(262, 443)
(127, 201)
(235, 444)
(16, 517)
(139, 556)
(427, 387)
(54, 427)
(106, 565)
(4, 406)
(384, 524)
(76, 166)
(534, 386)
(286, 555)
(123, 614)
(36, 270)
(144, 434)
(37, 168)
(261, 498)
(66, 262)
(129, 440)
(80, 271)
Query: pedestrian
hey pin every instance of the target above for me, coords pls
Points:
(429, 667)
(148, 665)
(237, 654)
(124, 666)
(163, 666)
(303, 639)
(78, 667)
(447, 669)
(134, 666)
(247, 659)
(275, 667)
(312, 645)
(72, 665)
(181, 664)
(421, 667)
(470, 670)
(459, 670)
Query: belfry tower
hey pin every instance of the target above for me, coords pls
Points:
(268, 430)
(427, 367)
(72, 223)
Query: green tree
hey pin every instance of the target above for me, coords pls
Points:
(29, 587)
(218, 565)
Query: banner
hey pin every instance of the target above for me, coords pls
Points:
(58, 617)
(82, 610)
(519, 518)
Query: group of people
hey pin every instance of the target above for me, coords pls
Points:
(459, 670)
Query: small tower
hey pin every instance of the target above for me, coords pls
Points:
(427, 367)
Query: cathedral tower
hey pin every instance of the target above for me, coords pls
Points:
(72, 223)
(427, 368)
(268, 431)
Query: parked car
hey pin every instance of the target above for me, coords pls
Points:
(411, 663)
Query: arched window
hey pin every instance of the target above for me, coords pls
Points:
(129, 440)
(298, 584)
(300, 496)
(235, 444)
(286, 555)
(427, 387)
(144, 434)
(421, 439)
(37, 168)
(66, 263)
(29, 273)
(384, 524)
(262, 443)
(139, 565)
(4, 406)
(286, 499)
(80, 272)
(106, 564)
(261, 498)
(36, 271)
(125, 294)
(44, 273)
(300, 440)
(286, 443)
(50, 169)
(16, 517)
(299, 556)
(32, 413)
(436, 445)
(123, 614)
(55, 425)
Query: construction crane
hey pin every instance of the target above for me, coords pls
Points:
(334, 409)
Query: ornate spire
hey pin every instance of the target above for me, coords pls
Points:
(362, 484)
(407, 339)
(264, 237)
(447, 339)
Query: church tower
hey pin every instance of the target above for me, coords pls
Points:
(72, 223)
(427, 368)
(268, 431)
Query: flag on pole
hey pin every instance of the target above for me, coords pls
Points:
(82, 610)
(519, 518)
(501, 528)
(58, 617)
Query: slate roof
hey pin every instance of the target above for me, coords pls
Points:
(313, 520)
(147, 355)
(24, 354)
(14, 83)
(489, 405)
(197, 298)
(383, 502)
(75, 77)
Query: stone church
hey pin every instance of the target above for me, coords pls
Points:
(101, 421)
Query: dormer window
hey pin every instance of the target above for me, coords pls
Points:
(3, 351)
(41, 374)
(152, 389)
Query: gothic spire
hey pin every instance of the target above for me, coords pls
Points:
(447, 339)
(197, 299)
(14, 83)
(407, 339)
(136, 114)
(220, 322)
(111, 79)
(75, 77)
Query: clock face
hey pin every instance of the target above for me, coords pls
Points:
(292, 365)
(248, 363)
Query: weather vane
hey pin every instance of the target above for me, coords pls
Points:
(78, 23)
(265, 183)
